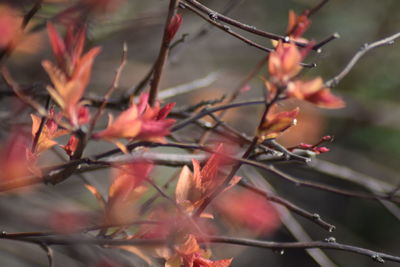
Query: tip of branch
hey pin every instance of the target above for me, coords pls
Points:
(336, 35)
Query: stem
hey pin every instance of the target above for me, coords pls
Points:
(363, 50)
(162, 57)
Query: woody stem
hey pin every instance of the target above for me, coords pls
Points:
(163, 55)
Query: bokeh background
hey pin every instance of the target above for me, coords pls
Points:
(367, 131)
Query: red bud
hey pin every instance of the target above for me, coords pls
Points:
(174, 26)
(327, 138)
(304, 146)
(321, 150)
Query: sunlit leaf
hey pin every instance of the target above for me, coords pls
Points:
(276, 123)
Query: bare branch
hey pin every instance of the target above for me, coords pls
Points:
(49, 253)
(363, 50)
(162, 56)
(314, 217)
(376, 256)
(114, 86)
(217, 16)
(82, 240)
(226, 29)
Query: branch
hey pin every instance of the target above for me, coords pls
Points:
(370, 183)
(114, 86)
(317, 7)
(363, 50)
(49, 253)
(225, 28)
(218, 190)
(212, 14)
(327, 40)
(162, 56)
(204, 112)
(376, 256)
(81, 240)
(31, 13)
(289, 221)
(314, 217)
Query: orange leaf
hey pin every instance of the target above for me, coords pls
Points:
(190, 246)
(139, 122)
(48, 132)
(314, 91)
(184, 186)
(284, 62)
(276, 123)
(127, 125)
(125, 191)
(193, 188)
(325, 99)
(71, 77)
(97, 195)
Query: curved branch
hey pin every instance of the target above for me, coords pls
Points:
(376, 256)
(363, 50)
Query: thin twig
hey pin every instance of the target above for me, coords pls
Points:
(162, 56)
(42, 111)
(317, 8)
(31, 13)
(204, 112)
(376, 256)
(226, 29)
(217, 16)
(114, 86)
(327, 40)
(370, 183)
(314, 217)
(233, 97)
(94, 160)
(363, 50)
(17, 90)
(289, 221)
(6, 51)
(49, 253)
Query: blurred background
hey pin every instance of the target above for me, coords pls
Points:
(367, 131)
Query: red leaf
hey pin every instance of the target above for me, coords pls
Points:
(71, 146)
(314, 91)
(276, 123)
(139, 122)
(57, 45)
(248, 210)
